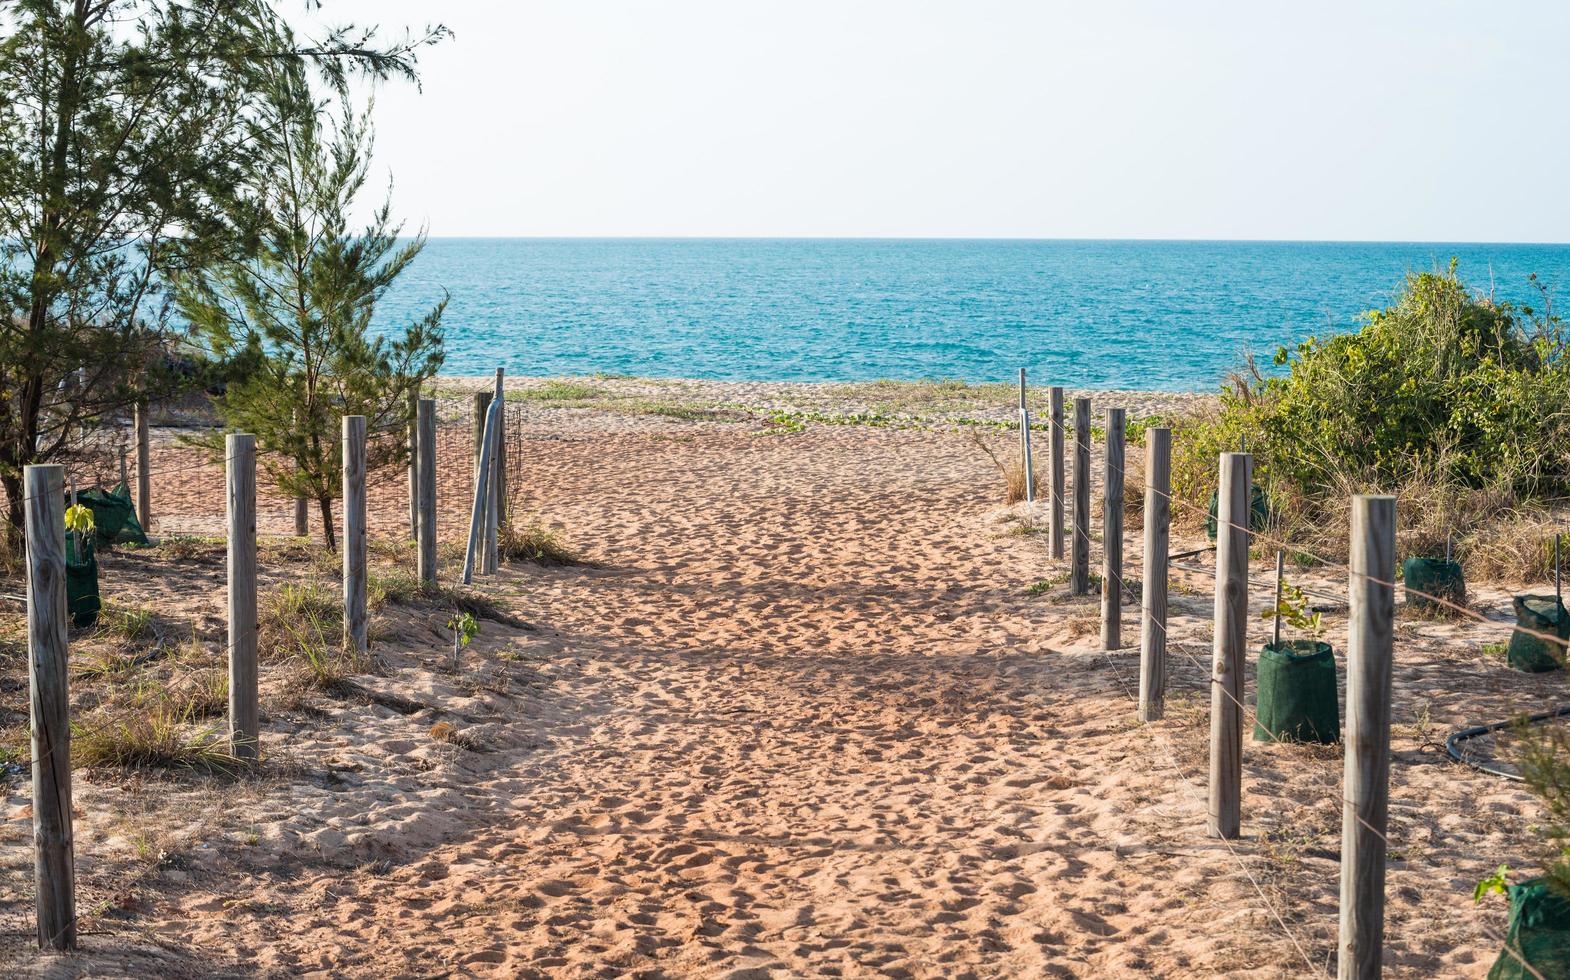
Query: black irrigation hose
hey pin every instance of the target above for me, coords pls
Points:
(1476, 730)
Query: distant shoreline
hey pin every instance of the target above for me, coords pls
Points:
(864, 402)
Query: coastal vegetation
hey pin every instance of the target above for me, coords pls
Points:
(1457, 403)
(126, 131)
(292, 319)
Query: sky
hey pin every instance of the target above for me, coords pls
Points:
(1399, 120)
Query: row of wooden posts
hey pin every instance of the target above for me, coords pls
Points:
(47, 614)
(1369, 645)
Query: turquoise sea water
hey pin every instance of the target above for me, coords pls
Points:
(1127, 314)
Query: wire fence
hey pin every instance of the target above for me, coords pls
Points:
(1327, 791)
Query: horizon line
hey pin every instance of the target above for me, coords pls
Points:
(992, 238)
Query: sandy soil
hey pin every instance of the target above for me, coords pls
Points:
(805, 716)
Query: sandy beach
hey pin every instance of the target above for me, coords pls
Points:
(820, 705)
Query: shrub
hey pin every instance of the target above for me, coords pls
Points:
(1449, 395)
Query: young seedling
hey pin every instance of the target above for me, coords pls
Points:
(78, 521)
(464, 628)
(1495, 882)
(1292, 606)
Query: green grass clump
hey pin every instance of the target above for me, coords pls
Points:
(556, 391)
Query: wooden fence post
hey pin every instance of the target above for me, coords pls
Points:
(1024, 443)
(1079, 562)
(1231, 633)
(426, 458)
(355, 633)
(244, 727)
(498, 492)
(482, 487)
(1366, 787)
(1055, 438)
(302, 517)
(144, 472)
(54, 860)
(480, 410)
(1153, 597)
(1112, 534)
(414, 466)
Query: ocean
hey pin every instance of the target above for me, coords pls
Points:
(1152, 315)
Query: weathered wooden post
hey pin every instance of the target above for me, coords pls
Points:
(498, 492)
(1231, 633)
(1024, 442)
(414, 466)
(302, 517)
(1055, 439)
(355, 633)
(480, 410)
(1366, 787)
(426, 457)
(1112, 534)
(54, 861)
(1079, 562)
(1153, 598)
(144, 471)
(482, 487)
(244, 727)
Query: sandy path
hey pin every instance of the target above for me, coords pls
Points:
(806, 720)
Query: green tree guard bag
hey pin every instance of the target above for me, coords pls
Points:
(114, 515)
(1540, 614)
(1424, 577)
(1258, 511)
(1539, 933)
(1297, 693)
(81, 584)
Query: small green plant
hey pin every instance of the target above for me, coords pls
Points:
(464, 629)
(1496, 882)
(79, 519)
(1293, 610)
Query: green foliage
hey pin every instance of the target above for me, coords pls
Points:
(1292, 609)
(464, 627)
(1496, 882)
(297, 312)
(1544, 751)
(79, 519)
(125, 131)
(1442, 378)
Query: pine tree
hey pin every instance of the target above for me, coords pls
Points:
(296, 316)
(123, 148)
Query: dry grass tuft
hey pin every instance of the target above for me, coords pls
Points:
(159, 734)
(1012, 470)
(534, 542)
(449, 735)
(296, 615)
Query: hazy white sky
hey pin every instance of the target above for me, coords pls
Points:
(1396, 119)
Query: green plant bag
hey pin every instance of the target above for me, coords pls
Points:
(1539, 933)
(1541, 614)
(114, 515)
(1258, 511)
(1437, 577)
(1297, 693)
(81, 583)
